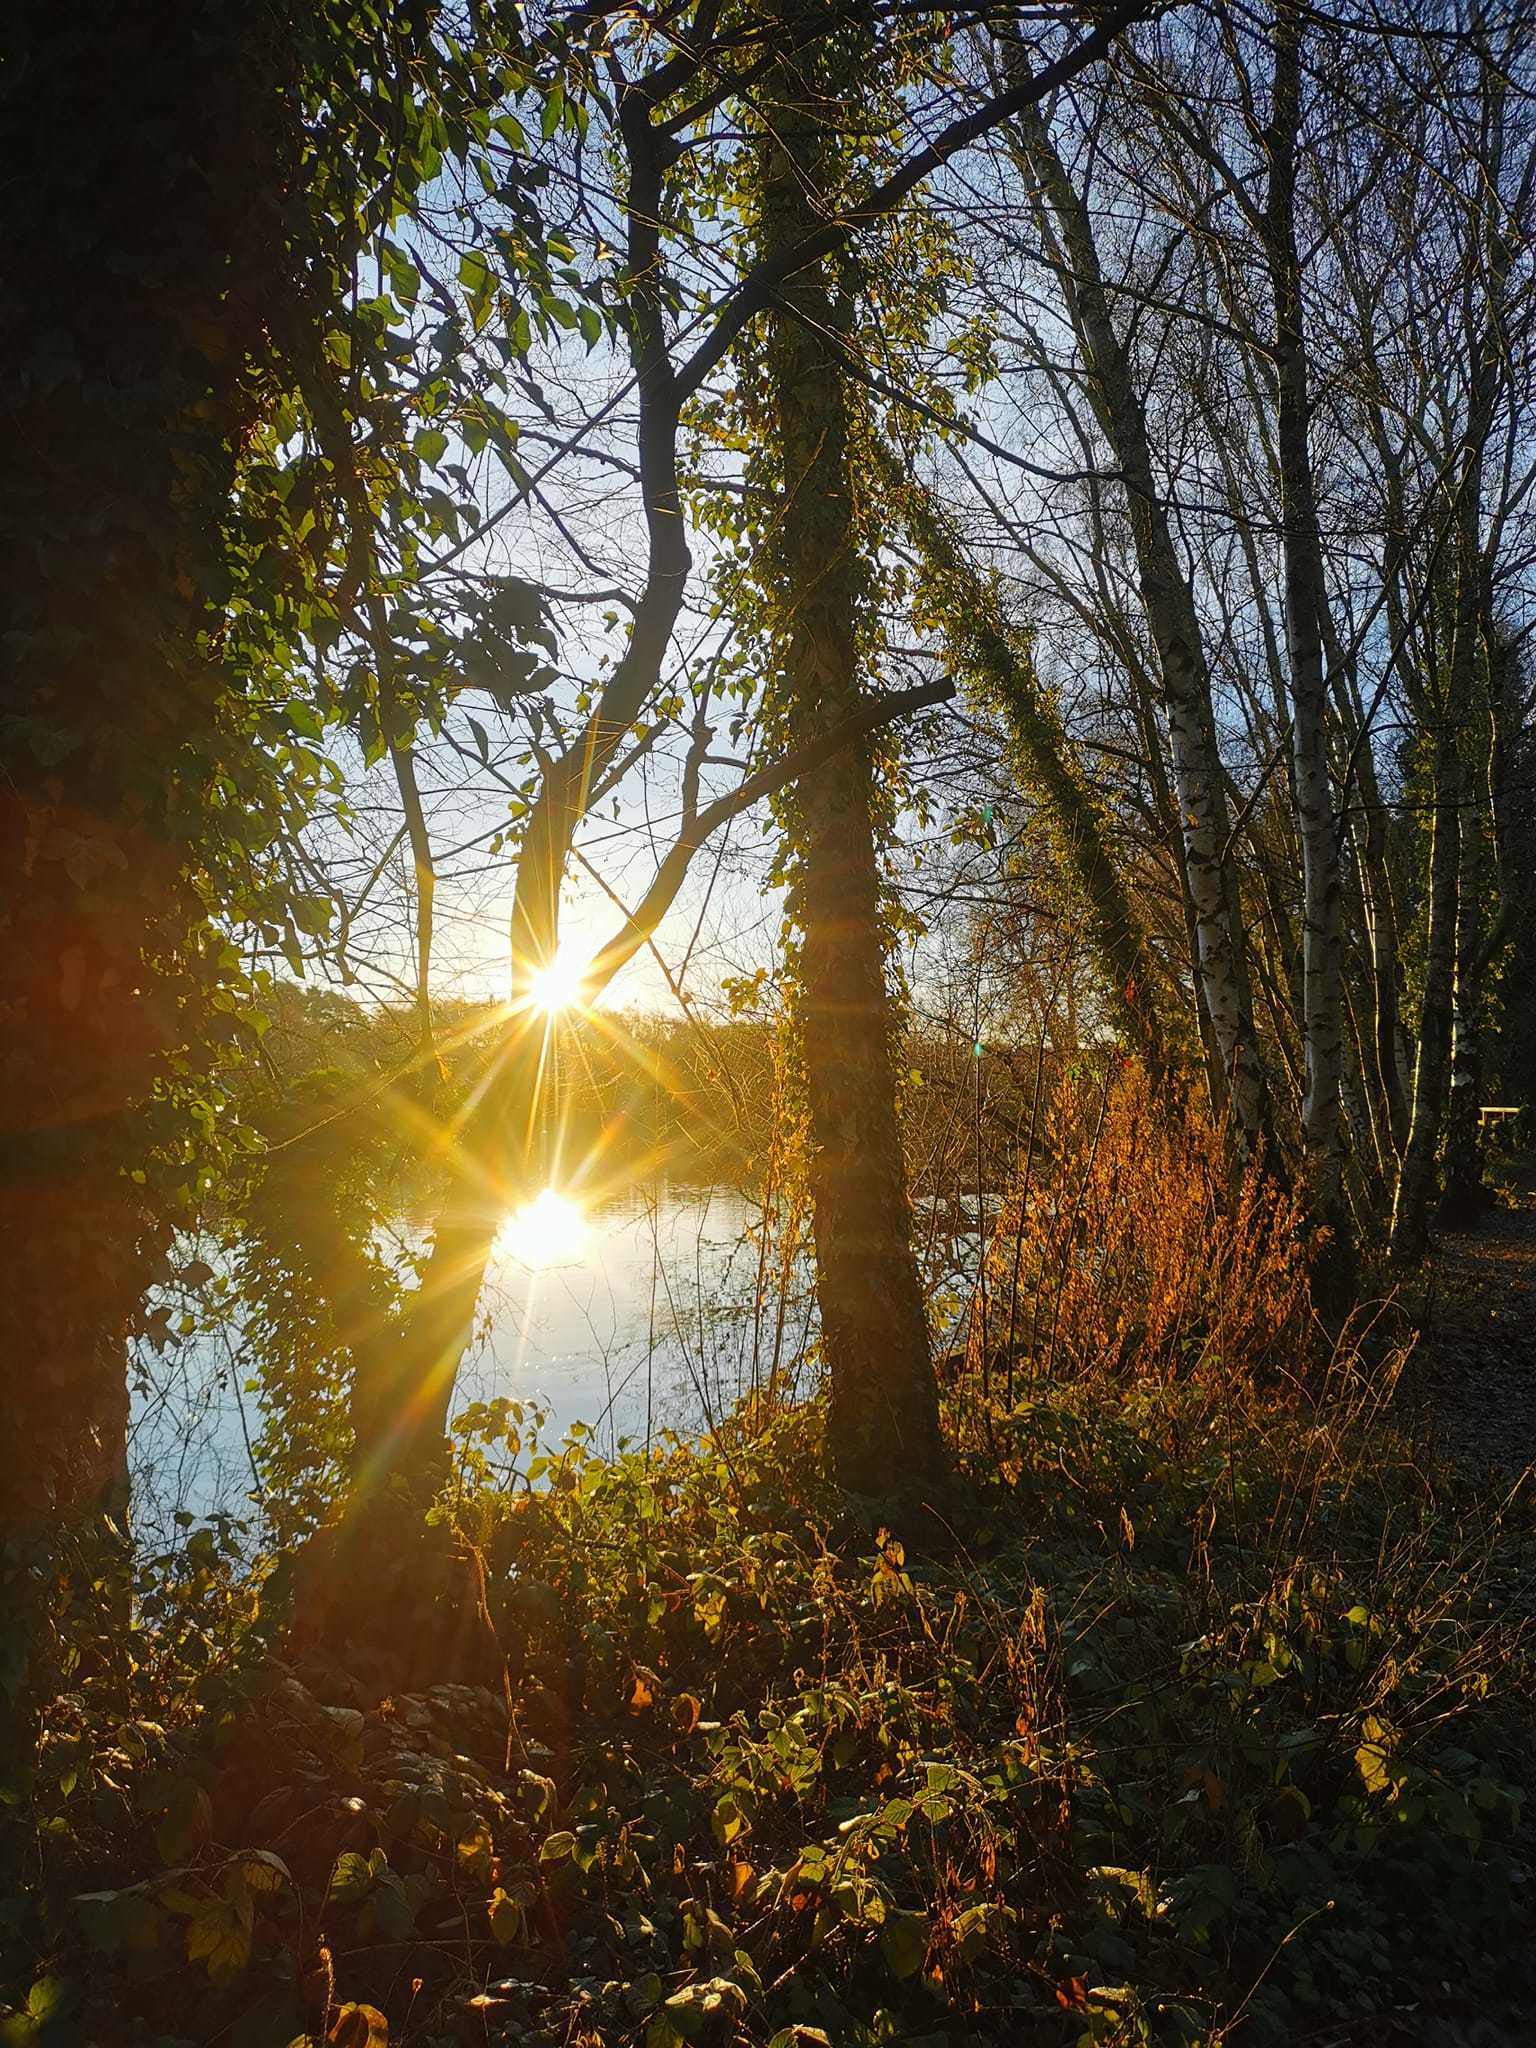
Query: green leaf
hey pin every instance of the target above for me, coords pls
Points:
(904, 1943)
(219, 1935)
(351, 1879)
(506, 1916)
(47, 1998)
(264, 1870)
(644, 1995)
(391, 1909)
(727, 1820)
(187, 1823)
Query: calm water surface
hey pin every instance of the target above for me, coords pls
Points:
(652, 1324)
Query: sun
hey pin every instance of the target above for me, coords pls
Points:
(556, 986)
(549, 1231)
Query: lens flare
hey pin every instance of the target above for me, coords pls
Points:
(550, 1231)
(556, 986)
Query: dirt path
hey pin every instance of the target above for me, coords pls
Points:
(1474, 1371)
(1472, 1383)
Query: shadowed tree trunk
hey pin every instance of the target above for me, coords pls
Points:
(1322, 924)
(1463, 1166)
(141, 270)
(1415, 1184)
(1454, 911)
(884, 1430)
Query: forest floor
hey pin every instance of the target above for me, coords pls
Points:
(1473, 1377)
(1207, 1721)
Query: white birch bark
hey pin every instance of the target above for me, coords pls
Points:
(1221, 963)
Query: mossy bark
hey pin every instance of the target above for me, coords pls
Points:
(136, 292)
(1000, 661)
(884, 1429)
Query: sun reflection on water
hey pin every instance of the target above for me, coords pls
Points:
(549, 1231)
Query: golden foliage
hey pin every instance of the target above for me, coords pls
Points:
(1134, 1254)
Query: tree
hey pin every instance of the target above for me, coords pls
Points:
(202, 408)
(884, 1420)
(1239, 1082)
(653, 109)
(132, 376)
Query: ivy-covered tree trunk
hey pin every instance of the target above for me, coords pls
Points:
(135, 287)
(884, 1430)
(1000, 661)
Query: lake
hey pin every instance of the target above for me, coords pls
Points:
(645, 1318)
(644, 1315)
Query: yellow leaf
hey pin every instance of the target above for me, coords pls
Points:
(506, 1916)
(359, 2026)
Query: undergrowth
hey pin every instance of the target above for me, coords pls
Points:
(1182, 1719)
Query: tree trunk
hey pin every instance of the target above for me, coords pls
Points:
(141, 274)
(1415, 1183)
(1221, 962)
(407, 1377)
(1002, 663)
(1463, 1192)
(884, 1429)
(1322, 1006)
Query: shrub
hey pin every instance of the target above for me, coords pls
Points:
(1133, 1255)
